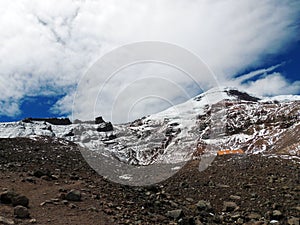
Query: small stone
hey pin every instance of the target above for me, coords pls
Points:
(223, 186)
(235, 197)
(185, 221)
(293, 221)
(96, 196)
(253, 216)
(203, 205)
(21, 212)
(20, 200)
(39, 173)
(229, 206)
(297, 208)
(6, 221)
(175, 214)
(189, 199)
(54, 177)
(276, 215)
(276, 206)
(46, 202)
(184, 184)
(254, 195)
(197, 221)
(92, 209)
(173, 204)
(72, 206)
(235, 216)
(33, 221)
(73, 195)
(240, 221)
(30, 180)
(65, 202)
(45, 177)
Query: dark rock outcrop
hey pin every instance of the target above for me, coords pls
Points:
(54, 121)
(105, 127)
(99, 120)
(242, 96)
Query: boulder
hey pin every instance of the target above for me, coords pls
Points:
(73, 195)
(7, 196)
(20, 200)
(21, 212)
(99, 120)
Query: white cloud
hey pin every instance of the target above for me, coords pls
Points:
(9, 108)
(265, 82)
(272, 84)
(48, 45)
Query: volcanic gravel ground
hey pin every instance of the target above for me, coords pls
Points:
(247, 189)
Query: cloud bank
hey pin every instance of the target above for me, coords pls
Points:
(47, 46)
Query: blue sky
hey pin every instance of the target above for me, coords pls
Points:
(47, 47)
(35, 107)
(289, 60)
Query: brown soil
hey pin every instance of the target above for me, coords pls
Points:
(264, 184)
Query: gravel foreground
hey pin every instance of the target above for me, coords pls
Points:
(47, 181)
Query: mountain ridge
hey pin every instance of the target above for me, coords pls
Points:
(221, 118)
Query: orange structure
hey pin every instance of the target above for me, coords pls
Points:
(228, 152)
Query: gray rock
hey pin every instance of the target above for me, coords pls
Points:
(72, 206)
(253, 216)
(189, 199)
(6, 221)
(20, 200)
(175, 214)
(197, 221)
(46, 202)
(65, 202)
(173, 204)
(21, 212)
(293, 221)
(235, 197)
(229, 206)
(254, 195)
(92, 209)
(73, 195)
(203, 205)
(276, 215)
(236, 216)
(240, 221)
(33, 221)
(276, 206)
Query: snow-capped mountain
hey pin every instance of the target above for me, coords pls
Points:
(221, 118)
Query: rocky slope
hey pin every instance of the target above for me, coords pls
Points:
(63, 189)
